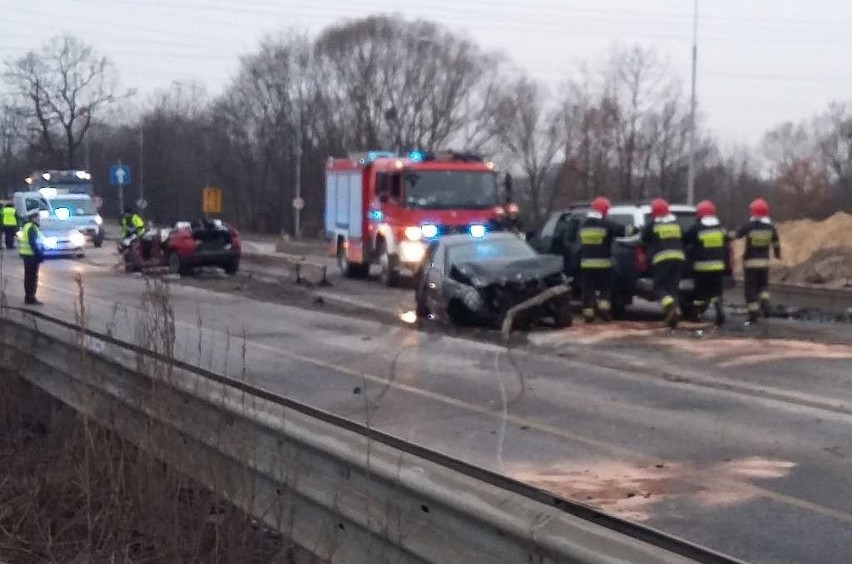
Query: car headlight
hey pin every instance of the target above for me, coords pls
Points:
(477, 231)
(429, 231)
(413, 233)
(99, 220)
(50, 242)
(77, 239)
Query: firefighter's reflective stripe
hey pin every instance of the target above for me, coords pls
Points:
(667, 301)
(604, 305)
(756, 263)
(668, 231)
(595, 263)
(753, 307)
(709, 266)
(671, 254)
(765, 296)
(760, 237)
(593, 235)
(712, 239)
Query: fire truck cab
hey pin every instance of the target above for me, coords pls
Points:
(386, 209)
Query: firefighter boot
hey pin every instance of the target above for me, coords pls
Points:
(671, 313)
(720, 311)
(605, 309)
(765, 305)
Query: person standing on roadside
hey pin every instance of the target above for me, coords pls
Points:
(662, 237)
(707, 245)
(31, 249)
(761, 236)
(10, 224)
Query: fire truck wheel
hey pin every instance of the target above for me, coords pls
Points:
(349, 269)
(389, 274)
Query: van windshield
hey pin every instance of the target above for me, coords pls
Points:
(75, 206)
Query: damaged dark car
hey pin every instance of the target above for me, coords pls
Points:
(468, 280)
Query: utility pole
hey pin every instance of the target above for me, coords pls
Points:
(690, 185)
(142, 162)
(297, 218)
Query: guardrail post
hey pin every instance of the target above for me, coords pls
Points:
(324, 281)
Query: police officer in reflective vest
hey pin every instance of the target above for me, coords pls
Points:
(707, 245)
(761, 236)
(662, 238)
(31, 249)
(131, 224)
(596, 234)
(10, 225)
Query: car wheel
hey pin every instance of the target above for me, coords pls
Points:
(619, 310)
(389, 273)
(175, 264)
(562, 315)
(232, 267)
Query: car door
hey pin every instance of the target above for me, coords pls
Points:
(543, 242)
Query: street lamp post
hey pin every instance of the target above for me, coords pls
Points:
(690, 186)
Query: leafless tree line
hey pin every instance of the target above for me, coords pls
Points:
(618, 127)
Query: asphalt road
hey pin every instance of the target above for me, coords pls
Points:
(739, 440)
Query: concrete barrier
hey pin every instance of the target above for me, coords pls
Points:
(302, 268)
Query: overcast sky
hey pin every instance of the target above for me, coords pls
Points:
(761, 61)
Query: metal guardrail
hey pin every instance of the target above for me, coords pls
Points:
(339, 489)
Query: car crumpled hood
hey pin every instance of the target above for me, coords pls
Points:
(490, 272)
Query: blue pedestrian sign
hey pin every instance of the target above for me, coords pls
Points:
(119, 175)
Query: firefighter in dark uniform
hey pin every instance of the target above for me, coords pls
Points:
(595, 235)
(31, 249)
(761, 236)
(707, 245)
(663, 241)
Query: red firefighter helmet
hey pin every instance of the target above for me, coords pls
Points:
(705, 208)
(759, 208)
(659, 208)
(601, 205)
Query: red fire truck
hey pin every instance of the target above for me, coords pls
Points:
(385, 209)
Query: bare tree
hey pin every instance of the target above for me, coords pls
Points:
(60, 90)
(530, 132)
(399, 84)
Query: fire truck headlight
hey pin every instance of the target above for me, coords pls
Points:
(429, 231)
(411, 252)
(413, 233)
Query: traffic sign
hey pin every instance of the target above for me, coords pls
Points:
(211, 200)
(298, 203)
(141, 203)
(119, 175)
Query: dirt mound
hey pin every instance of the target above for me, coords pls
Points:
(817, 250)
(832, 267)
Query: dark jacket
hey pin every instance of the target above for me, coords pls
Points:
(707, 245)
(662, 239)
(595, 235)
(760, 236)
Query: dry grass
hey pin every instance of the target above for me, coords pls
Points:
(73, 491)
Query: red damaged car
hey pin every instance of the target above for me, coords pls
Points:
(184, 247)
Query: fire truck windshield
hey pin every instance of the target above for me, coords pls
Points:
(450, 189)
